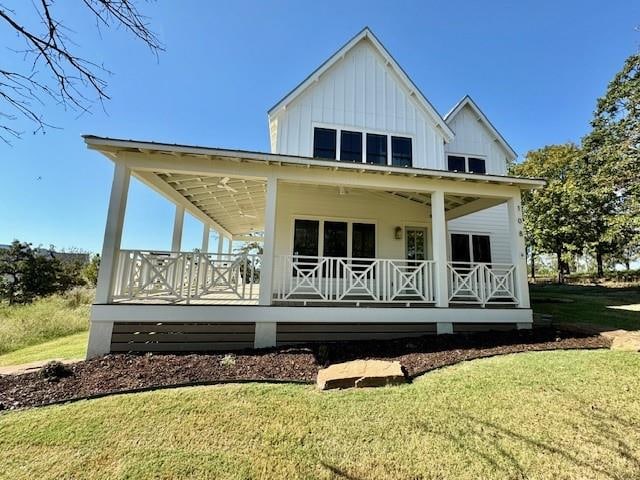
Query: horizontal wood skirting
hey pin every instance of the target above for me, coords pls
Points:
(296, 333)
(181, 337)
(483, 327)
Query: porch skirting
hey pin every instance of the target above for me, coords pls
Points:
(199, 328)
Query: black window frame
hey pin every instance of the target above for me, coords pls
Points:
(456, 158)
(379, 156)
(401, 159)
(478, 161)
(326, 152)
(356, 154)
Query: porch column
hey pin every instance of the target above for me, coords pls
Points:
(265, 335)
(439, 240)
(518, 255)
(220, 239)
(100, 332)
(178, 222)
(230, 248)
(206, 231)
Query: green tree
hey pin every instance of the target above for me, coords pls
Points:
(554, 216)
(610, 174)
(14, 262)
(90, 271)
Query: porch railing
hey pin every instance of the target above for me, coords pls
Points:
(186, 276)
(481, 283)
(306, 279)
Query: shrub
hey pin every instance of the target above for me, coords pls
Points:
(228, 360)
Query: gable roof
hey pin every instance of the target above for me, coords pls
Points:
(367, 34)
(468, 101)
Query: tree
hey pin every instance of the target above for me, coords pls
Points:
(91, 269)
(554, 216)
(14, 262)
(53, 71)
(611, 170)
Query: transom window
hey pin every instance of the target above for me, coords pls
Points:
(366, 147)
(460, 163)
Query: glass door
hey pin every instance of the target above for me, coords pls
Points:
(416, 243)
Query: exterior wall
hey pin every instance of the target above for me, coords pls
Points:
(473, 138)
(306, 201)
(492, 221)
(363, 93)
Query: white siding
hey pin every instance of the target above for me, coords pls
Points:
(362, 92)
(474, 138)
(492, 221)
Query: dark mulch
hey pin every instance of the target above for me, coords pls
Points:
(118, 373)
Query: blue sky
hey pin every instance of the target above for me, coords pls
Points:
(535, 68)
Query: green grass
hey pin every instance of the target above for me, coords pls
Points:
(63, 348)
(588, 304)
(43, 320)
(544, 415)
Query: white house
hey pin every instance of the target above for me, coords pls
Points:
(377, 218)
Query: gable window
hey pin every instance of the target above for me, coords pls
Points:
(455, 163)
(350, 146)
(324, 143)
(376, 149)
(460, 163)
(477, 165)
(401, 152)
(467, 248)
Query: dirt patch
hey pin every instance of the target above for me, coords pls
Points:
(119, 373)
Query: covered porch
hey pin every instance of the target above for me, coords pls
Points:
(311, 245)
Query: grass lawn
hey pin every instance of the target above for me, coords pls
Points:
(544, 415)
(617, 307)
(43, 320)
(63, 348)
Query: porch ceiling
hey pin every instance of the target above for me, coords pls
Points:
(234, 203)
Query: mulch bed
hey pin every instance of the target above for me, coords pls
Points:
(125, 372)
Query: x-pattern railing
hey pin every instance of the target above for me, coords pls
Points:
(481, 283)
(186, 276)
(344, 279)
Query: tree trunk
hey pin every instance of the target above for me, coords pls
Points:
(560, 269)
(533, 265)
(599, 263)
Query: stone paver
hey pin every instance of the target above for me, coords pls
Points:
(360, 373)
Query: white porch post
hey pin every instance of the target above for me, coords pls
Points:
(439, 240)
(518, 255)
(178, 223)
(100, 333)
(265, 335)
(230, 247)
(206, 231)
(220, 238)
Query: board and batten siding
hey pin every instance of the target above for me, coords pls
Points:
(360, 92)
(473, 138)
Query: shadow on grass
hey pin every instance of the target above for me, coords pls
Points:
(502, 442)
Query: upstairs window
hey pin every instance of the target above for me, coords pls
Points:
(350, 146)
(376, 149)
(455, 163)
(460, 163)
(477, 165)
(324, 143)
(401, 152)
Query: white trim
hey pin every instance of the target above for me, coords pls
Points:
(286, 314)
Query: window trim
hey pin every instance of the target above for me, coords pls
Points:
(364, 131)
(466, 157)
(348, 220)
(469, 235)
(313, 142)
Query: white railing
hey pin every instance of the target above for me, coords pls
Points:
(482, 283)
(186, 276)
(307, 279)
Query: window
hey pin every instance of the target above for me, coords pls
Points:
(335, 239)
(376, 149)
(459, 163)
(350, 146)
(470, 248)
(477, 165)
(305, 237)
(400, 152)
(416, 243)
(363, 241)
(324, 143)
(456, 164)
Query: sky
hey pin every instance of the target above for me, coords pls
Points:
(536, 69)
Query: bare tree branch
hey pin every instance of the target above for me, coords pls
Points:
(55, 72)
